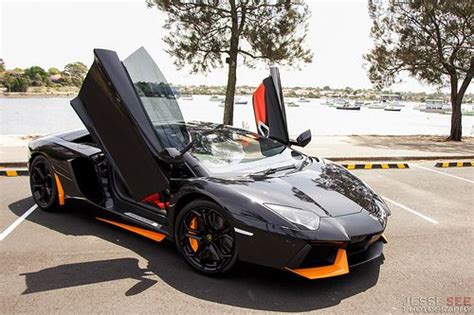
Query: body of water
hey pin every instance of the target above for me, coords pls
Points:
(33, 116)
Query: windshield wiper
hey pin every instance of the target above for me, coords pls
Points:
(284, 168)
(275, 169)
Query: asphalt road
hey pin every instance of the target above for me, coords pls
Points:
(69, 263)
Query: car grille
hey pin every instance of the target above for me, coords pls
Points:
(358, 244)
(320, 255)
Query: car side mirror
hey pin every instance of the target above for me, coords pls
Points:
(303, 139)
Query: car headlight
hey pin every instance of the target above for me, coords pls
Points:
(295, 215)
(381, 214)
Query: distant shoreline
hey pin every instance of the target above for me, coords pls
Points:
(36, 95)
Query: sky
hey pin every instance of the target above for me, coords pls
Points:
(54, 33)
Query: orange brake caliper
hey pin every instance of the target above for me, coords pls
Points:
(192, 241)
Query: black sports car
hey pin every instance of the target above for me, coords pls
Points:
(221, 193)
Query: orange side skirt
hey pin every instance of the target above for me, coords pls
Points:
(339, 267)
(146, 233)
(60, 190)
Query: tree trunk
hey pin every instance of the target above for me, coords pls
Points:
(456, 101)
(232, 75)
(230, 90)
(456, 119)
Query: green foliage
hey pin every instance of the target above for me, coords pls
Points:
(2, 66)
(431, 40)
(428, 39)
(202, 32)
(74, 73)
(37, 76)
(53, 71)
(18, 80)
(16, 83)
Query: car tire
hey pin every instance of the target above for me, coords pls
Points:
(211, 249)
(43, 184)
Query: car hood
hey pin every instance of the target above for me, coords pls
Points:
(326, 189)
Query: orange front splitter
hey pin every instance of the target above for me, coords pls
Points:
(339, 267)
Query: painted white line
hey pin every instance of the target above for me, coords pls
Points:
(17, 223)
(411, 210)
(443, 173)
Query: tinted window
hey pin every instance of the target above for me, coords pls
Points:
(157, 97)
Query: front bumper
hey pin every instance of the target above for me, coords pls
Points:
(313, 259)
(343, 259)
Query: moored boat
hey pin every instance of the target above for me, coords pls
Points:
(377, 106)
(392, 108)
(434, 106)
(240, 102)
(328, 102)
(215, 98)
(349, 106)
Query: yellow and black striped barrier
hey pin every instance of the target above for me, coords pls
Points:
(370, 166)
(13, 173)
(454, 164)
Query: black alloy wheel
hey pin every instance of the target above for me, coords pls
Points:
(206, 238)
(43, 185)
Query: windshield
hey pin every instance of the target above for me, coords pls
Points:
(231, 152)
(158, 98)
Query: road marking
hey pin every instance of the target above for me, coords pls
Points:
(411, 210)
(17, 223)
(446, 174)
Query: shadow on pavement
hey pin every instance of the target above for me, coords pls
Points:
(248, 286)
(71, 275)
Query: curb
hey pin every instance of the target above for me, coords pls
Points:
(14, 173)
(369, 166)
(398, 158)
(454, 164)
(349, 166)
(13, 164)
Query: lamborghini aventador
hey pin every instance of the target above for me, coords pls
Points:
(220, 193)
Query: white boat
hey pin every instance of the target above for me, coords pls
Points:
(349, 106)
(466, 110)
(392, 108)
(391, 99)
(328, 102)
(240, 102)
(434, 106)
(222, 104)
(292, 104)
(339, 102)
(303, 100)
(215, 98)
(377, 106)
